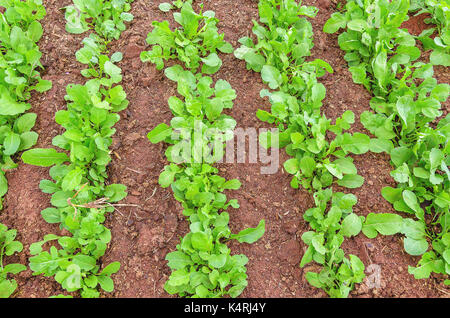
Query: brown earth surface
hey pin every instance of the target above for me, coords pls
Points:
(142, 235)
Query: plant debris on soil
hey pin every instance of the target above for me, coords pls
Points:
(142, 234)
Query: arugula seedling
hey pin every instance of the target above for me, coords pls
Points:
(106, 17)
(195, 42)
(8, 246)
(338, 274)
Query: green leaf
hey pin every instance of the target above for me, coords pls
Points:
(400, 155)
(116, 57)
(251, 235)
(351, 225)
(411, 200)
(110, 269)
(415, 247)
(307, 165)
(201, 241)
(234, 184)
(378, 145)
(10, 107)
(391, 194)
(44, 157)
(291, 166)
(43, 85)
(439, 57)
(165, 7)
(159, 133)
(3, 184)
(115, 192)
(85, 262)
(425, 266)
(106, 283)
(13, 247)
(27, 140)
(334, 23)
(357, 143)
(351, 181)
(271, 76)
(75, 22)
(7, 288)
(345, 165)
(166, 178)
(14, 268)
(11, 143)
(217, 261)
(72, 180)
(380, 69)
(59, 199)
(178, 260)
(51, 215)
(212, 64)
(383, 223)
(405, 109)
(24, 123)
(178, 278)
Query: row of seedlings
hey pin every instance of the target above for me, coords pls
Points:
(408, 124)
(20, 31)
(80, 193)
(319, 162)
(202, 265)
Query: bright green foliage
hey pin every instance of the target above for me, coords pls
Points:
(8, 246)
(200, 113)
(284, 40)
(81, 197)
(106, 17)
(407, 98)
(439, 11)
(195, 42)
(324, 243)
(281, 48)
(101, 66)
(415, 242)
(20, 31)
(203, 265)
(316, 161)
(177, 4)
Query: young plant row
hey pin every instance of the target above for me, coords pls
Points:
(80, 193)
(20, 64)
(319, 149)
(202, 265)
(408, 123)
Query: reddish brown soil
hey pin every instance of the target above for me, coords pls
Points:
(416, 24)
(143, 235)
